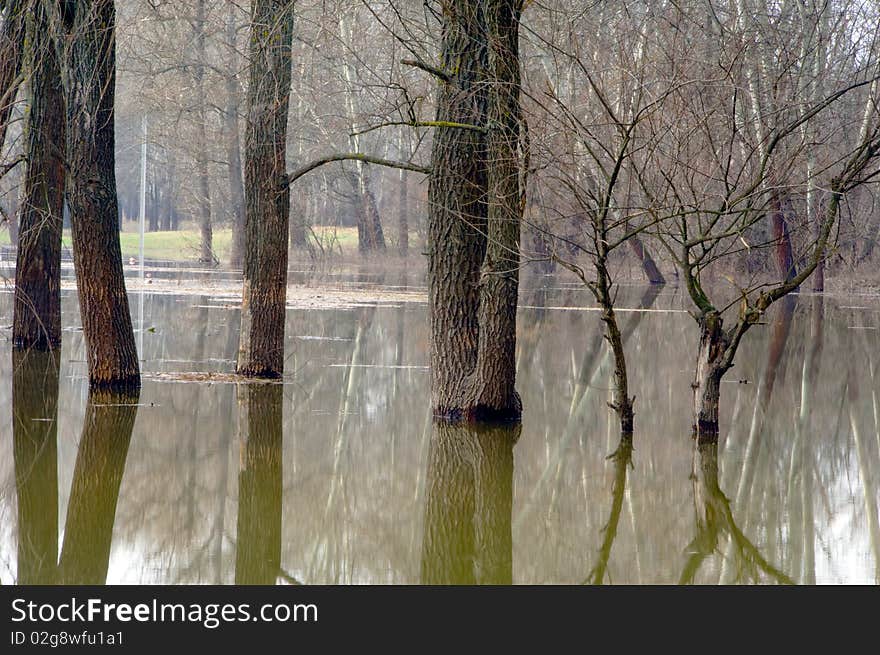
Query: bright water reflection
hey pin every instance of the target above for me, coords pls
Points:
(339, 476)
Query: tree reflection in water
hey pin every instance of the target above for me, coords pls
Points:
(97, 475)
(258, 553)
(469, 496)
(714, 519)
(35, 452)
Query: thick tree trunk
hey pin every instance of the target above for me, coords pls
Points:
(261, 346)
(89, 75)
(94, 492)
(468, 505)
(37, 311)
(233, 148)
(35, 452)
(493, 381)
(11, 53)
(707, 379)
(457, 209)
(258, 534)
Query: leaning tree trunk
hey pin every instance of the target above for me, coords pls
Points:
(36, 319)
(11, 51)
(89, 74)
(649, 266)
(457, 210)
(261, 345)
(94, 491)
(492, 383)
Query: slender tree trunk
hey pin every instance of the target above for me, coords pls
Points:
(261, 346)
(11, 53)
(258, 542)
(37, 311)
(168, 220)
(233, 146)
(622, 458)
(403, 216)
(457, 209)
(207, 231)
(94, 492)
(35, 452)
(89, 75)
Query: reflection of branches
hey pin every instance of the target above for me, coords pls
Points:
(715, 519)
(622, 458)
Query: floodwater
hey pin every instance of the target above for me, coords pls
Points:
(338, 475)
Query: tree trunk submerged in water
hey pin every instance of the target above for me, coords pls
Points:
(261, 345)
(37, 311)
(493, 380)
(457, 210)
(88, 60)
(475, 197)
(707, 378)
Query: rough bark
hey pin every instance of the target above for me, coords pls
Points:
(88, 59)
(258, 550)
(457, 208)
(35, 452)
(233, 149)
(94, 492)
(467, 535)
(492, 383)
(11, 52)
(261, 346)
(707, 379)
(37, 310)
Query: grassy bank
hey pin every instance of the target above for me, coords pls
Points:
(184, 245)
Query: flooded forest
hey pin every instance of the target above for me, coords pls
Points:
(442, 292)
